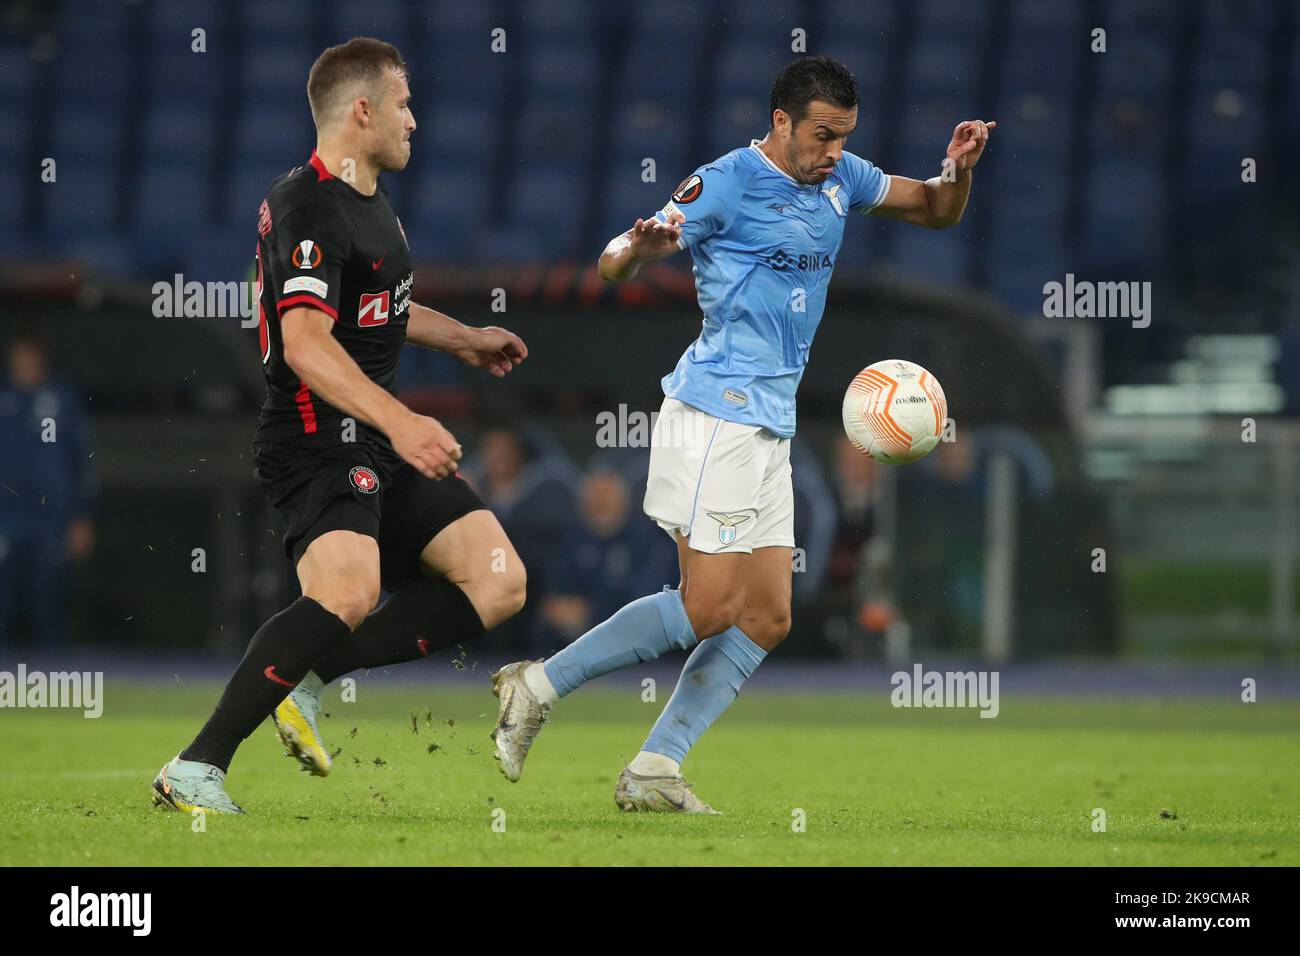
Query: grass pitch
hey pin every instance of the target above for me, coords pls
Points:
(1181, 783)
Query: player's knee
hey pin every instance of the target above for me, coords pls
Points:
(767, 628)
(351, 601)
(776, 631)
(711, 617)
(501, 596)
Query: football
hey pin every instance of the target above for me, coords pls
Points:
(894, 411)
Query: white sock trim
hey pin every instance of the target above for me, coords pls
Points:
(648, 764)
(541, 686)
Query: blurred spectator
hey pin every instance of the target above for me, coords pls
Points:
(611, 557)
(859, 592)
(528, 482)
(814, 523)
(45, 494)
(941, 514)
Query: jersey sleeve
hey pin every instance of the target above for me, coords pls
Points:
(308, 250)
(708, 198)
(867, 185)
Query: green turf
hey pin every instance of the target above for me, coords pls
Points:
(1188, 782)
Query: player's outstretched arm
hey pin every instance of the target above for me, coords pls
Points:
(311, 350)
(496, 349)
(646, 241)
(939, 202)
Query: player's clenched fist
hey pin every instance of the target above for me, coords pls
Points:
(426, 446)
(968, 141)
(652, 239)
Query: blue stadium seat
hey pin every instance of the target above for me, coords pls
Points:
(172, 22)
(649, 70)
(1124, 216)
(1033, 125)
(658, 130)
(462, 69)
(871, 20)
(766, 22)
(1140, 17)
(745, 68)
(557, 71)
(87, 133)
(868, 59)
(1291, 110)
(551, 202)
(450, 130)
(283, 18)
(387, 20)
(171, 198)
(84, 200)
(271, 130)
(738, 121)
(15, 147)
(17, 73)
(626, 199)
(451, 202)
(1128, 126)
(1223, 127)
(1060, 18)
(940, 258)
(278, 71)
(179, 132)
(947, 65)
(551, 132)
(246, 187)
(1257, 16)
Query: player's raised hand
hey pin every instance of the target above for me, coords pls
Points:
(968, 141)
(495, 349)
(424, 444)
(652, 239)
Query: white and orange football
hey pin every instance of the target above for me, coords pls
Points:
(894, 411)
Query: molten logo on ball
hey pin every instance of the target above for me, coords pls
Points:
(894, 411)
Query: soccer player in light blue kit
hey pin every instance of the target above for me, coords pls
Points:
(764, 225)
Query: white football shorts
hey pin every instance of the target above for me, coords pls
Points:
(723, 485)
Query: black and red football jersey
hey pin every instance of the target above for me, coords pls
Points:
(323, 245)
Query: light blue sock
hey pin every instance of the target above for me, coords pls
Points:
(710, 681)
(638, 632)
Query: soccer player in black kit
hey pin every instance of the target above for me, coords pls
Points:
(367, 488)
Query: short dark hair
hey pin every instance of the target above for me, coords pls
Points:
(812, 78)
(360, 60)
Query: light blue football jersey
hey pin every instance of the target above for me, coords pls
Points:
(763, 247)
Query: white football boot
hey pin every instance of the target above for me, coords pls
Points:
(519, 719)
(636, 794)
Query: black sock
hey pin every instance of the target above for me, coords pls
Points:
(279, 655)
(416, 620)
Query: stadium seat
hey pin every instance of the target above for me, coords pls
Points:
(385, 19)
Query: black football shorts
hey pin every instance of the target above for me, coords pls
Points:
(319, 484)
